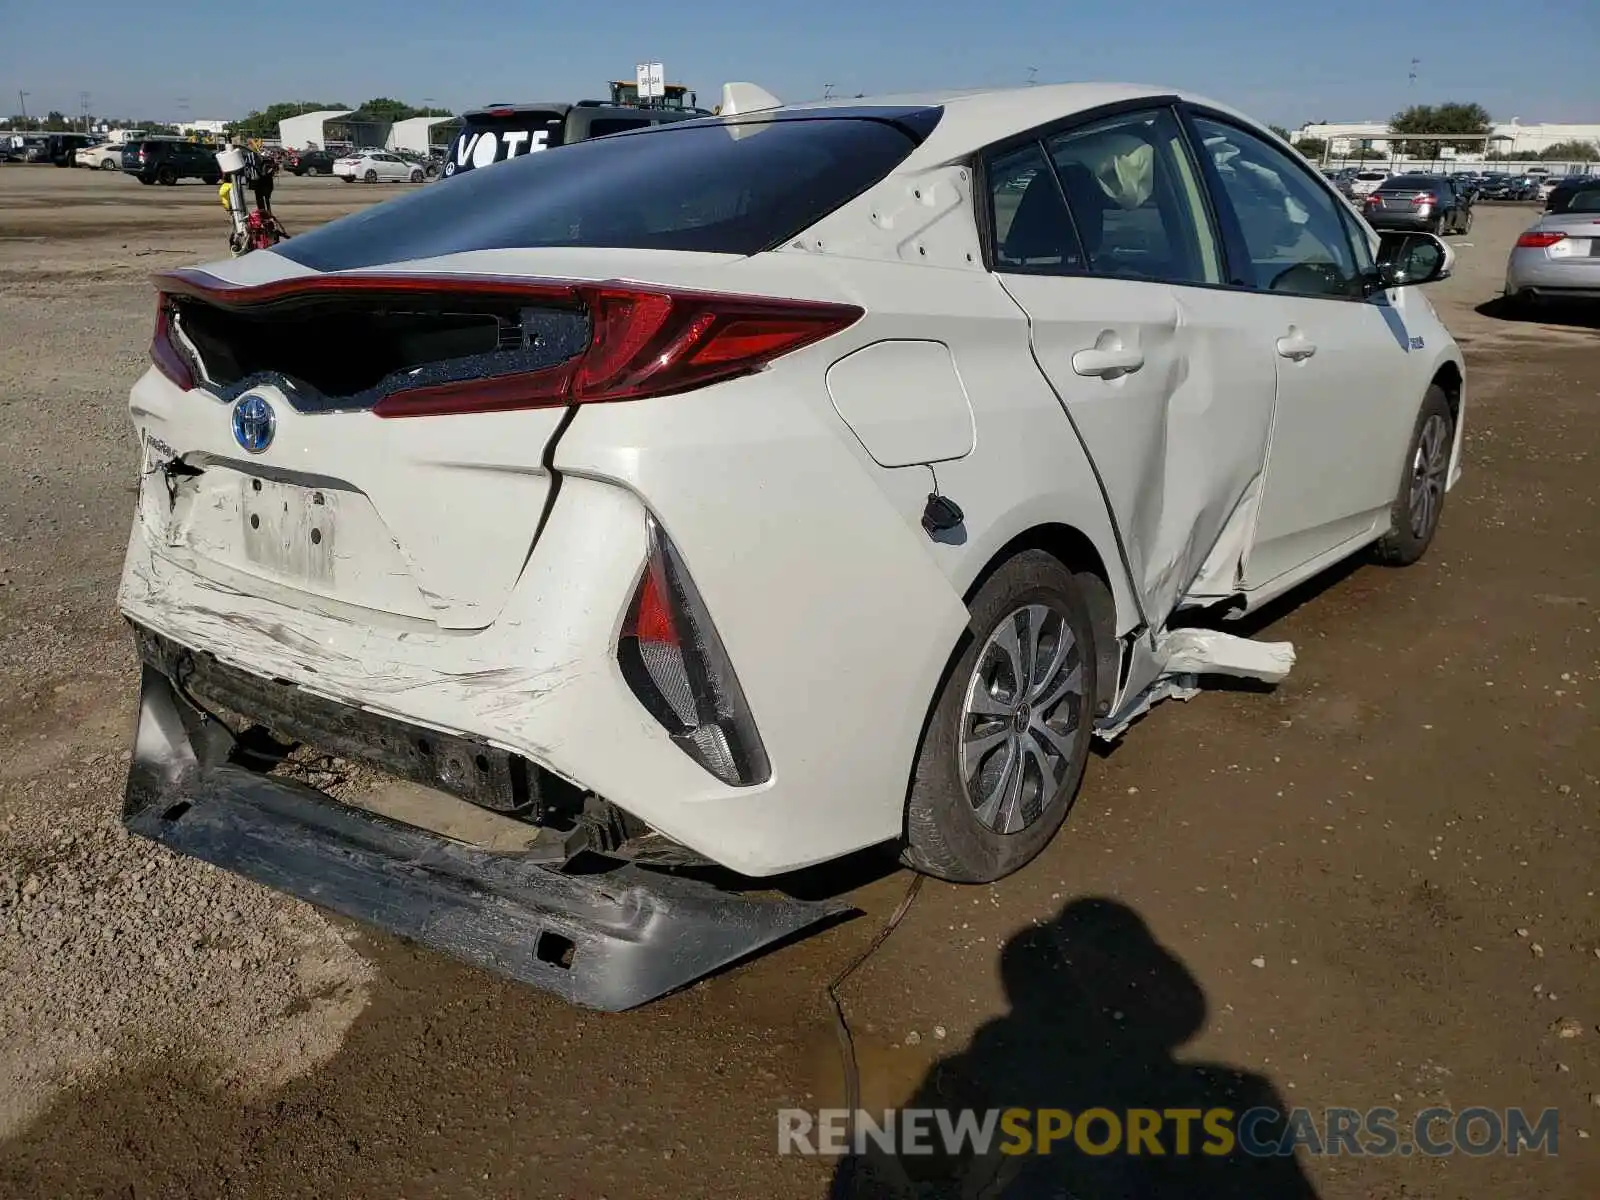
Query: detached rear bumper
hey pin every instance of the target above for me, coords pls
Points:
(610, 940)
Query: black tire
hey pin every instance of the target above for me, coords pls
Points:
(145, 179)
(1466, 223)
(371, 176)
(107, 164)
(1406, 541)
(167, 176)
(944, 835)
(416, 177)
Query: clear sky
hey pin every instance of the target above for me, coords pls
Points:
(1287, 61)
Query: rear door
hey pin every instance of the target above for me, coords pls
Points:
(1100, 234)
(1348, 382)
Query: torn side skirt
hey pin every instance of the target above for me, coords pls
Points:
(1187, 654)
(609, 940)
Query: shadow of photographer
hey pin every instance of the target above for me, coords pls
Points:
(1098, 1010)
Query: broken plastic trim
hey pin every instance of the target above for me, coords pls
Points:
(610, 940)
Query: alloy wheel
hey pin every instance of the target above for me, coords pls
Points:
(1024, 706)
(1428, 466)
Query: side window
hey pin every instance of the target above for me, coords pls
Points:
(1293, 229)
(1360, 236)
(1029, 223)
(601, 126)
(1136, 200)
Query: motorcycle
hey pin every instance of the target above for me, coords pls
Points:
(253, 229)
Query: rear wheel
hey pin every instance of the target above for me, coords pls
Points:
(1008, 738)
(1414, 516)
(167, 176)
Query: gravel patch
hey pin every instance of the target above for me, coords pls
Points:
(114, 951)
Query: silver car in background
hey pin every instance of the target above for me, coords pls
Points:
(1559, 257)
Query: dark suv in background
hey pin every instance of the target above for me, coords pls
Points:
(497, 132)
(167, 160)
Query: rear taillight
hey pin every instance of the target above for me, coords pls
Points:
(643, 342)
(675, 664)
(165, 353)
(1423, 199)
(1539, 239)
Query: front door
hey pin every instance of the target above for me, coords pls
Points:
(1101, 237)
(1347, 394)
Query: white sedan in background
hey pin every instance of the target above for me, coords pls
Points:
(104, 157)
(377, 166)
(751, 490)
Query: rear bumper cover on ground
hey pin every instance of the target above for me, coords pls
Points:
(609, 940)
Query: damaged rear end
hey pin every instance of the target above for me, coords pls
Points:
(313, 566)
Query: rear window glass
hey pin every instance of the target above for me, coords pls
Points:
(1401, 183)
(734, 187)
(1369, 175)
(486, 138)
(1585, 199)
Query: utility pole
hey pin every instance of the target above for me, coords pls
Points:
(827, 91)
(1412, 77)
(83, 102)
(1033, 73)
(22, 99)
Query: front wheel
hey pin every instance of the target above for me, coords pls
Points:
(416, 177)
(1414, 516)
(107, 164)
(1008, 738)
(1466, 223)
(371, 177)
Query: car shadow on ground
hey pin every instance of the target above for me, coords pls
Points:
(1571, 315)
(1098, 1011)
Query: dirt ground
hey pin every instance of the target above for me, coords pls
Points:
(1374, 885)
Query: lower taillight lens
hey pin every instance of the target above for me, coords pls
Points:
(675, 664)
(1539, 239)
(165, 353)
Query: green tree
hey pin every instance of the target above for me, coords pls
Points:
(1453, 117)
(1312, 148)
(1280, 131)
(54, 120)
(1573, 151)
(382, 108)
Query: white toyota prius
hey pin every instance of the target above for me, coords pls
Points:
(716, 500)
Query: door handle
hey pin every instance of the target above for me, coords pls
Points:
(1296, 347)
(1107, 363)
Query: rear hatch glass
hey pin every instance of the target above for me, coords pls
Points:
(494, 135)
(730, 187)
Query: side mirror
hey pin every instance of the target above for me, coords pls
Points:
(1412, 259)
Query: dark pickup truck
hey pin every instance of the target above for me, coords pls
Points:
(500, 131)
(167, 160)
